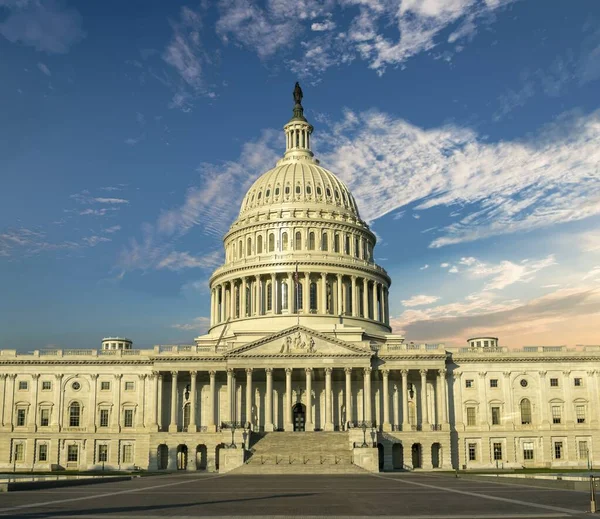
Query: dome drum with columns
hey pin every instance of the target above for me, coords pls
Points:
(299, 251)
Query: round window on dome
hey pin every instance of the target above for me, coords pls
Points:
(319, 191)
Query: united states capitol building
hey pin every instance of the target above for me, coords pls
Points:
(300, 370)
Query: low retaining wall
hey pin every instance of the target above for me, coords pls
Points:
(13, 486)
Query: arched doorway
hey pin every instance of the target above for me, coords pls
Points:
(182, 457)
(201, 460)
(398, 456)
(436, 455)
(380, 456)
(162, 457)
(299, 416)
(217, 453)
(416, 455)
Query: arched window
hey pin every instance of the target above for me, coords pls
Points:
(271, 242)
(364, 249)
(284, 241)
(237, 302)
(234, 251)
(319, 191)
(269, 297)
(284, 296)
(347, 245)
(186, 415)
(299, 297)
(311, 241)
(356, 247)
(308, 190)
(313, 297)
(336, 243)
(287, 190)
(298, 244)
(259, 244)
(324, 244)
(277, 191)
(240, 248)
(248, 301)
(298, 189)
(525, 411)
(74, 414)
(249, 246)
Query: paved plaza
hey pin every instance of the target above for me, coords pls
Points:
(212, 495)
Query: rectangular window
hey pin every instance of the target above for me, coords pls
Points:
(46, 385)
(469, 382)
(558, 449)
(582, 447)
(127, 453)
(102, 453)
(21, 417)
(129, 386)
(497, 451)
(556, 414)
(471, 416)
(580, 413)
(495, 416)
(44, 417)
(472, 452)
(73, 453)
(23, 385)
(104, 386)
(578, 382)
(103, 417)
(128, 418)
(527, 450)
(493, 382)
(19, 452)
(553, 382)
(43, 452)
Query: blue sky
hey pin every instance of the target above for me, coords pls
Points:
(467, 130)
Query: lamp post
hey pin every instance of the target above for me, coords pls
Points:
(364, 430)
(232, 435)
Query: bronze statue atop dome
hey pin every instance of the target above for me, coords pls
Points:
(298, 94)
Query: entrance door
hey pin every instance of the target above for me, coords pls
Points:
(299, 416)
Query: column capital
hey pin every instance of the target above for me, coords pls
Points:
(404, 372)
(458, 374)
(174, 373)
(368, 370)
(347, 371)
(230, 371)
(542, 373)
(354, 277)
(58, 376)
(268, 371)
(507, 374)
(385, 372)
(273, 274)
(567, 372)
(2, 376)
(442, 372)
(308, 370)
(94, 376)
(328, 370)
(482, 374)
(423, 372)
(193, 373)
(118, 376)
(323, 275)
(249, 371)
(35, 376)
(141, 376)
(288, 371)
(257, 277)
(591, 372)
(212, 372)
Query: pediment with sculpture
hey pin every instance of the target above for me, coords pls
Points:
(299, 341)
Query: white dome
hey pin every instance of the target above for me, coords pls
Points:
(298, 184)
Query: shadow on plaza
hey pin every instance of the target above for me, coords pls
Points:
(140, 509)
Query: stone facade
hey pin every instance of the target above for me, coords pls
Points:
(299, 340)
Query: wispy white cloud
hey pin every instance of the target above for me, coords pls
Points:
(424, 267)
(47, 25)
(199, 324)
(44, 69)
(184, 260)
(510, 186)
(420, 300)
(84, 197)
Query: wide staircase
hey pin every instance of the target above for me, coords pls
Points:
(299, 453)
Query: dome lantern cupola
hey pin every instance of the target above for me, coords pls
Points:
(298, 131)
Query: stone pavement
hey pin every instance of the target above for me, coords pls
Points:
(187, 496)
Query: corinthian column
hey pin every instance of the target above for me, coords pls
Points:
(193, 426)
(365, 298)
(386, 401)
(322, 307)
(328, 422)
(269, 400)
(173, 423)
(309, 425)
(353, 297)
(249, 396)
(424, 410)
(367, 396)
(289, 426)
(211, 408)
(405, 424)
(348, 395)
